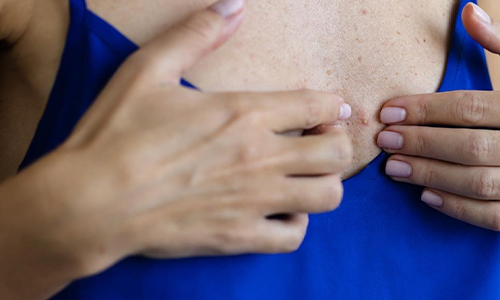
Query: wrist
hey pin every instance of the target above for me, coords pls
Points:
(34, 263)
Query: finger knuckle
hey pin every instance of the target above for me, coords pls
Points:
(345, 151)
(477, 148)
(459, 211)
(423, 110)
(203, 26)
(470, 108)
(312, 108)
(419, 142)
(483, 184)
(430, 176)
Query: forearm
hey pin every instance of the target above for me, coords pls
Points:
(30, 268)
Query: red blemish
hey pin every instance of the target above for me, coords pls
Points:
(360, 59)
(364, 12)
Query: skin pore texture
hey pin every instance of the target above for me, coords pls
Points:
(365, 51)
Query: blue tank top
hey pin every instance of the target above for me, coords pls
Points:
(382, 243)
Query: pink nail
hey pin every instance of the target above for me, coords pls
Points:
(345, 111)
(390, 140)
(395, 168)
(391, 115)
(227, 8)
(432, 199)
(481, 14)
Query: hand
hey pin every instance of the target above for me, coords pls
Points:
(159, 170)
(460, 166)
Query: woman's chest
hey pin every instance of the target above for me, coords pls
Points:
(366, 51)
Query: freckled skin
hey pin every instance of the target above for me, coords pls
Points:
(364, 51)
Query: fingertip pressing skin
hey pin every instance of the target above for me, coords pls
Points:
(345, 111)
(228, 8)
(393, 115)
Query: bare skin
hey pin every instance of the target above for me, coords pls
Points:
(457, 162)
(143, 188)
(408, 60)
(366, 52)
(127, 182)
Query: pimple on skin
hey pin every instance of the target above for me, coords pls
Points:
(364, 12)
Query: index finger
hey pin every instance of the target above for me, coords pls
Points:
(297, 110)
(459, 108)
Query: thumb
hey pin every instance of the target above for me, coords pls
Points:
(481, 27)
(169, 56)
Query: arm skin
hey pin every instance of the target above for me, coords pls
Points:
(125, 183)
(41, 275)
(15, 16)
(492, 7)
(29, 268)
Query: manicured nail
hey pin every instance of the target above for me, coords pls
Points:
(395, 168)
(432, 199)
(390, 140)
(345, 111)
(227, 8)
(481, 14)
(391, 115)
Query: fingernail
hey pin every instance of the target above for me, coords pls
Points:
(391, 115)
(345, 111)
(481, 14)
(227, 8)
(390, 140)
(395, 168)
(432, 199)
